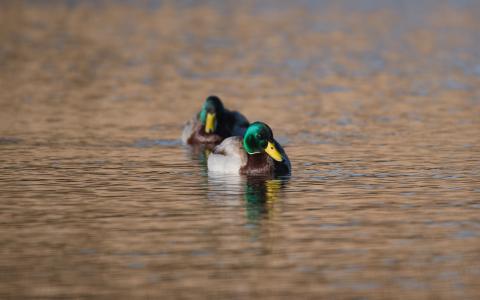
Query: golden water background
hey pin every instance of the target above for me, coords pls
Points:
(377, 104)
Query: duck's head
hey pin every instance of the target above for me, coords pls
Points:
(211, 112)
(259, 138)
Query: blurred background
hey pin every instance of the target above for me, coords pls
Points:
(377, 104)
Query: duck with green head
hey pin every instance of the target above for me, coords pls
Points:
(257, 153)
(213, 124)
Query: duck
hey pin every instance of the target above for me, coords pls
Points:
(213, 124)
(256, 153)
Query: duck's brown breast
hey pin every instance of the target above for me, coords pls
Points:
(199, 136)
(258, 164)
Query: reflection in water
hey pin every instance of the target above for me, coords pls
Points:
(259, 194)
(200, 153)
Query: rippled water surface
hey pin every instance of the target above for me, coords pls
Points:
(376, 102)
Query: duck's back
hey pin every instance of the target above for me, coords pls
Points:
(239, 123)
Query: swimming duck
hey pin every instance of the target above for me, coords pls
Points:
(213, 124)
(257, 153)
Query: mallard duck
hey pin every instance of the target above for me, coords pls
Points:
(213, 124)
(257, 153)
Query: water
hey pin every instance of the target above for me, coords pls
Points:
(377, 104)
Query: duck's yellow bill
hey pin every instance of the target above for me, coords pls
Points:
(210, 123)
(273, 152)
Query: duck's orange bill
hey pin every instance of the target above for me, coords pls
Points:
(210, 123)
(273, 152)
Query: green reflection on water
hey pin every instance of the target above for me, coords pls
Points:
(261, 195)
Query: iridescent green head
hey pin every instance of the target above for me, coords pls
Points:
(259, 138)
(211, 112)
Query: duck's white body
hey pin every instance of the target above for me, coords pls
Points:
(228, 157)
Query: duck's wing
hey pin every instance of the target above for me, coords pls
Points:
(228, 157)
(232, 146)
(240, 123)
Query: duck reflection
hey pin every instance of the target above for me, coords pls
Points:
(259, 194)
(200, 154)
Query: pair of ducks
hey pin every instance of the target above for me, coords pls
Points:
(241, 147)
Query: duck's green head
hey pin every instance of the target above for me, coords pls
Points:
(259, 138)
(211, 112)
